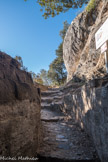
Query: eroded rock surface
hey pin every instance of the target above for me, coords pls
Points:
(79, 49)
(68, 112)
(88, 105)
(63, 139)
(19, 110)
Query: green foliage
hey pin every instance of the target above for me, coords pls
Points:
(54, 7)
(91, 5)
(56, 75)
(64, 30)
(19, 59)
(57, 71)
(41, 77)
(36, 78)
(33, 75)
(44, 77)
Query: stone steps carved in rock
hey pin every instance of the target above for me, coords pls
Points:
(63, 139)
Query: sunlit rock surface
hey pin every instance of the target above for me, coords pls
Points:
(79, 49)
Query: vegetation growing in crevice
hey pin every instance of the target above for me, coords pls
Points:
(91, 5)
(19, 59)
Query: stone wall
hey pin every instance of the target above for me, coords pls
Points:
(89, 106)
(19, 110)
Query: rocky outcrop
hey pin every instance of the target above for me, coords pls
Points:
(82, 103)
(79, 50)
(85, 105)
(63, 139)
(88, 105)
(19, 110)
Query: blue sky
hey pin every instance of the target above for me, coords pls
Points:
(24, 32)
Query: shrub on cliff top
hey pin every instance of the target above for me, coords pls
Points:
(91, 5)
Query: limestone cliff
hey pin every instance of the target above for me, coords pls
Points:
(19, 110)
(79, 50)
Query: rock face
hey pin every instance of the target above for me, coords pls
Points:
(84, 105)
(79, 50)
(88, 105)
(19, 110)
(63, 139)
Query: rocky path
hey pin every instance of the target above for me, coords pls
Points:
(63, 139)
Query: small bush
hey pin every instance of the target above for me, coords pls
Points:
(90, 5)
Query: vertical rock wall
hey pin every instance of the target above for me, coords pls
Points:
(19, 110)
(89, 106)
(79, 50)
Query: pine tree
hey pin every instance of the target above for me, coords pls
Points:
(57, 71)
(54, 7)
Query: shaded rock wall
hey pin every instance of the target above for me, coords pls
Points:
(89, 107)
(19, 110)
(79, 51)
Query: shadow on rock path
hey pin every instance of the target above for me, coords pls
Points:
(64, 140)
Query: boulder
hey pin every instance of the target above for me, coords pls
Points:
(19, 110)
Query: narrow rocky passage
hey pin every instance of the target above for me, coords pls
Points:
(63, 139)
